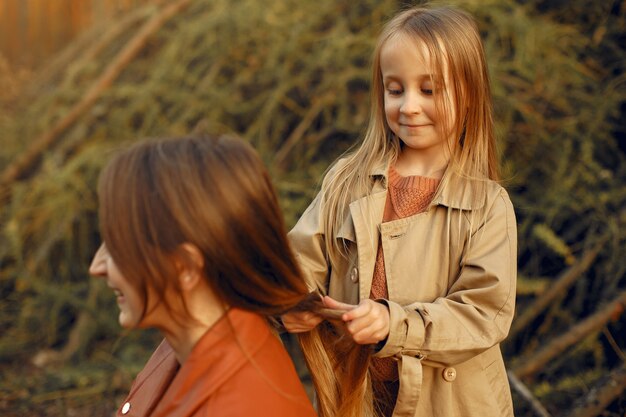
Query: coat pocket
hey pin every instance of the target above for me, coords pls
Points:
(495, 372)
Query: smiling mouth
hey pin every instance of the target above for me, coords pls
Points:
(412, 125)
(118, 294)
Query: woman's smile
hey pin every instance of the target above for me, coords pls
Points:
(119, 295)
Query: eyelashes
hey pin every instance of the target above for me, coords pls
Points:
(395, 92)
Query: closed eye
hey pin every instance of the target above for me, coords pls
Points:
(393, 87)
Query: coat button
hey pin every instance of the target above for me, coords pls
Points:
(126, 408)
(354, 275)
(449, 374)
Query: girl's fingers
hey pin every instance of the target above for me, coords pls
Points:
(362, 310)
(366, 323)
(365, 338)
(369, 334)
(299, 329)
(369, 322)
(336, 305)
(298, 322)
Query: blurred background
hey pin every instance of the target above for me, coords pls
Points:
(81, 78)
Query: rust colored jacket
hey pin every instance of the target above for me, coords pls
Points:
(451, 274)
(237, 369)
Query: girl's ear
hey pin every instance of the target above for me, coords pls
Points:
(190, 266)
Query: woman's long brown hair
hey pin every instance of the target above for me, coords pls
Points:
(338, 366)
(215, 193)
(339, 369)
(210, 191)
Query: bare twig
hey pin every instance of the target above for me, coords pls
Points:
(602, 394)
(609, 337)
(29, 158)
(564, 281)
(126, 21)
(528, 396)
(298, 132)
(536, 361)
(80, 335)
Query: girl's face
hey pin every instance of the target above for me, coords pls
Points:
(129, 300)
(408, 95)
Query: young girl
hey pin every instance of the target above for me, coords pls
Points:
(413, 238)
(194, 245)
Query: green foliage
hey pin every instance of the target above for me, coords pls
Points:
(553, 242)
(531, 286)
(292, 77)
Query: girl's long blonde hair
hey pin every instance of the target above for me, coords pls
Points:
(338, 366)
(453, 42)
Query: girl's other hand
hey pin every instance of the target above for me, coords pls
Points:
(300, 321)
(367, 322)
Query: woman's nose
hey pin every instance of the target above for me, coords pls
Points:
(98, 267)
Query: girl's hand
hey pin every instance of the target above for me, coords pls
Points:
(300, 321)
(367, 323)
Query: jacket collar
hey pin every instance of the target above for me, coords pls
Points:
(455, 191)
(215, 358)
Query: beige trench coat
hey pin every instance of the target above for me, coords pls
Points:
(451, 292)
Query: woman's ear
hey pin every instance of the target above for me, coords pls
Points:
(188, 280)
(191, 266)
(193, 255)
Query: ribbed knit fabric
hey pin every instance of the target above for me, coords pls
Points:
(406, 196)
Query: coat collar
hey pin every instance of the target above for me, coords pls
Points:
(151, 383)
(215, 358)
(455, 190)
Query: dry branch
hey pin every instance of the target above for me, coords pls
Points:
(29, 158)
(78, 337)
(561, 285)
(525, 393)
(126, 21)
(536, 361)
(300, 130)
(606, 391)
(93, 40)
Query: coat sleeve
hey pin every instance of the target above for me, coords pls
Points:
(476, 313)
(307, 242)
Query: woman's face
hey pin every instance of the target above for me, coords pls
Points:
(129, 300)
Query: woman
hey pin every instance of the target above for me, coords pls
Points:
(194, 245)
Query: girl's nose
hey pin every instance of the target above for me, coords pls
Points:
(98, 267)
(411, 104)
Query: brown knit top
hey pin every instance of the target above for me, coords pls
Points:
(406, 196)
